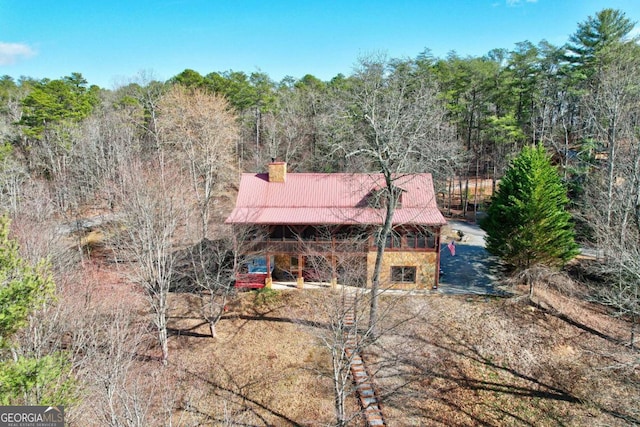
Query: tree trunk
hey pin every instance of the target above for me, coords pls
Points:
(460, 191)
(212, 328)
(465, 205)
(341, 363)
(611, 172)
(451, 190)
(530, 280)
(257, 114)
(494, 176)
(160, 313)
(384, 233)
(164, 344)
(475, 191)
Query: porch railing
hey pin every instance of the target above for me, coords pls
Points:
(309, 246)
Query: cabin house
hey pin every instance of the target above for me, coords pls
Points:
(310, 223)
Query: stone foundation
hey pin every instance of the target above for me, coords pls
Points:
(425, 263)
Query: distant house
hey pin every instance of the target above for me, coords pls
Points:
(310, 221)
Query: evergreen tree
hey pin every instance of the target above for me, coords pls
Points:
(27, 379)
(57, 105)
(605, 28)
(598, 33)
(23, 288)
(527, 224)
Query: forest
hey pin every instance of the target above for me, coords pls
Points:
(114, 203)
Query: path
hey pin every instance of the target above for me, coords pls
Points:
(364, 386)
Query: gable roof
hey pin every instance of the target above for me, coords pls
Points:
(335, 198)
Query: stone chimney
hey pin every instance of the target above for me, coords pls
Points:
(277, 171)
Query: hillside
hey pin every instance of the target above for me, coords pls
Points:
(445, 361)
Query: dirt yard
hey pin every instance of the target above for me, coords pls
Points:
(443, 360)
(467, 361)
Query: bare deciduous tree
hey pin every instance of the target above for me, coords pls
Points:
(153, 210)
(339, 328)
(399, 127)
(613, 190)
(611, 104)
(204, 131)
(294, 128)
(109, 139)
(207, 269)
(343, 328)
(109, 371)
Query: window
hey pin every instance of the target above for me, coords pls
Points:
(403, 274)
(309, 233)
(282, 232)
(277, 232)
(290, 234)
(419, 240)
(412, 240)
(393, 241)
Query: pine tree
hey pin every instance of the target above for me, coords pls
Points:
(607, 27)
(23, 288)
(25, 378)
(527, 224)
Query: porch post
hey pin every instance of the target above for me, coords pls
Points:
(300, 279)
(334, 275)
(437, 272)
(268, 281)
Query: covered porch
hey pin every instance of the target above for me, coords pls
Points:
(331, 254)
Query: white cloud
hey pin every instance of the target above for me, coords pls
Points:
(519, 2)
(10, 53)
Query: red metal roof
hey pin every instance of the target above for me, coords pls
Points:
(336, 198)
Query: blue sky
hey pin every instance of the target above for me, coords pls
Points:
(113, 41)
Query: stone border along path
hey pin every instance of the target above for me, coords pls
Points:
(364, 386)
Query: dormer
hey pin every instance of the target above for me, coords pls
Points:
(377, 198)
